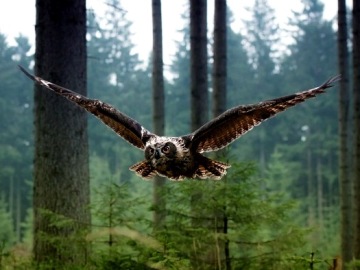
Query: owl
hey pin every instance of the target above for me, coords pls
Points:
(181, 157)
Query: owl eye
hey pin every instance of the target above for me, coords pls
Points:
(151, 150)
(166, 149)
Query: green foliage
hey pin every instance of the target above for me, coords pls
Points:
(7, 235)
(16, 128)
(234, 214)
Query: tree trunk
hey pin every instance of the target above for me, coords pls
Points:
(221, 259)
(61, 173)
(198, 89)
(198, 62)
(356, 98)
(344, 179)
(158, 108)
(220, 59)
(310, 189)
(320, 196)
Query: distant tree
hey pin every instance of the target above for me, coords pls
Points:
(61, 172)
(262, 36)
(262, 33)
(158, 107)
(16, 140)
(177, 94)
(308, 136)
(344, 177)
(309, 133)
(239, 71)
(115, 76)
(356, 123)
(7, 232)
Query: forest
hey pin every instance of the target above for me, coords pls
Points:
(290, 199)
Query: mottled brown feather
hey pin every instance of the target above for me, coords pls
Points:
(122, 124)
(235, 122)
(212, 136)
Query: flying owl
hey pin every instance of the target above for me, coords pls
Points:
(180, 157)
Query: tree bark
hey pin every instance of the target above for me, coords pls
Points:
(219, 93)
(220, 59)
(61, 173)
(343, 117)
(198, 90)
(158, 109)
(356, 98)
(198, 62)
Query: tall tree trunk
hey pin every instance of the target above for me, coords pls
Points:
(198, 62)
(344, 178)
(220, 58)
(158, 108)
(198, 87)
(222, 258)
(61, 173)
(356, 98)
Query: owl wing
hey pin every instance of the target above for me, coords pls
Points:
(123, 125)
(233, 123)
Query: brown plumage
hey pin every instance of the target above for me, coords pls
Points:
(179, 157)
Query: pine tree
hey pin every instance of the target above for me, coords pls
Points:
(309, 134)
(262, 35)
(116, 77)
(177, 94)
(16, 139)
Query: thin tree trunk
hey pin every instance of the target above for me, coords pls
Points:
(18, 213)
(158, 108)
(320, 197)
(344, 178)
(61, 173)
(356, 98)
(310, 189)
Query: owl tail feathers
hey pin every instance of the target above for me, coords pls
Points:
(143, 169)
(212, 169)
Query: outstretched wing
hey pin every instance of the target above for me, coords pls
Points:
(122, 124)
(235, 122)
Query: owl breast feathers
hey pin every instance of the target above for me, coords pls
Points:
(180, 157)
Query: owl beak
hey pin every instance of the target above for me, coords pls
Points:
(157, 153)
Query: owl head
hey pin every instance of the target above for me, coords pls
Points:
(160, 151)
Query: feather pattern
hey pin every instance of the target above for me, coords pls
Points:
(235, 122)
(123, 125)
(179, 157)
